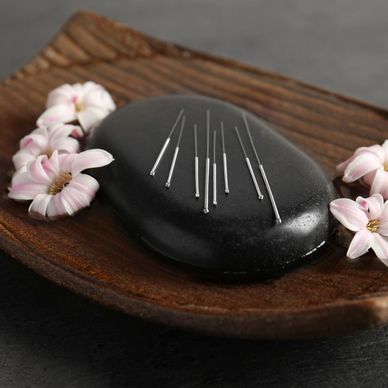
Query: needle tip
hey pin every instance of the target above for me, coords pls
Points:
(261, 197)
(167, 185)
(206, 211)
(152, 173)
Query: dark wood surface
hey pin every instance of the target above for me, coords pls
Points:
(92, 256)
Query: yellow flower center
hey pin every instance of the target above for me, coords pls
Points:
(373, 226)
(60, 183)
(79, 106)
(48, 152)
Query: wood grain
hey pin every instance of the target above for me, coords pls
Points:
(92, 255)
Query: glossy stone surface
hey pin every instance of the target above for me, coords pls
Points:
(239, 235)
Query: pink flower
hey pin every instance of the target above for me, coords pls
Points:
(88, 103)
(44, 141)
(370, 165)
(368, 217)
(56, 185)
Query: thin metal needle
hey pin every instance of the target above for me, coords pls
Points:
(207, 166)
(224, 160)
(247, 161)
(168, 183)
(196, 162)
(262, 171)
(214, 169)
(165, 144)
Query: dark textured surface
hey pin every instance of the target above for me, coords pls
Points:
(49, 337)
(238, 236)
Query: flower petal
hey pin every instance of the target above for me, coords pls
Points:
(79, 193)
(383, 226)
(367, 179)
(37, 139)
(60, 131)
(62, 113)
(85, 183)
(378, 150)
(90, 159)
(75, 199)
(65, 161)
(23, 188)
(77, 132)
(385, 149)
(57, 207)
(21, 158)
(38, 207)
(30, 180)
(342, 166)
(90, 86)
(61, 95)
(26, 192)
(51, 165)
(349, 214)
(374, 149)
(100, 98)
(360, 244)
(91, 117)
(38, 171)
(373, 205)
(380, 184)
(45, 140)
(379, 244)
(65, 145)
(361, 165)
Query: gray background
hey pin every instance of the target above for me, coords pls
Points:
(49, 337)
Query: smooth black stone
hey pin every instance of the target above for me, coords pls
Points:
(239, 235)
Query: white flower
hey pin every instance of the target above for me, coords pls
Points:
(56, 185)
(369, 165)
(44, 141)
(88, 103)
(368, 218)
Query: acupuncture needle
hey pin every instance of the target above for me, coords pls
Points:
(168, 183)
(207, 166)
(214, 169)
(165, 145)
(247, 161)
(196, 162)
(262, 171)
(224, 160)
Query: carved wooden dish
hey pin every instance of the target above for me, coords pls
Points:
(91, 255)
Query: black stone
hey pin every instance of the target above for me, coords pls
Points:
(240, 235)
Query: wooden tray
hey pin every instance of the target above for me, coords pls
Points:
(92, 256)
